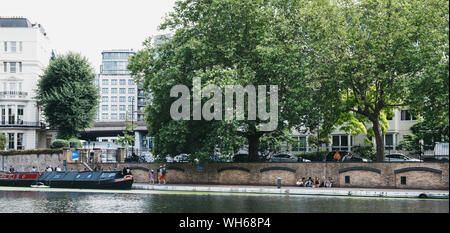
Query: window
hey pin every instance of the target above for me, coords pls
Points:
(407, 115)
(13, 45)
(6, 46)
(113, 107)
(122, 90)
(122, 82)
(341, 142)
(113, 90)
(105, 81)
(389, 141)
(130, 108)
(122, 116)
(11, 115)
(114, 99)
(20, 114)
(113, 116)
(113, 81)
(122, 99)
(5, 67)
(3, 114)
(104, 98)
(105, 107)
(20, 141)
(122, 108)
(12, 67)
(403, 180)
(11, 141)
(105, 116)
(20, 46)
(20, 67)
(130, 90)
(104, 90)
(347, 179)
(299, 145)
(130, 99)
(130, 82)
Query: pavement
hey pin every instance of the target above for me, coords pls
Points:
(292, 190)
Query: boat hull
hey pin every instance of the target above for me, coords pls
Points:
(76, 180)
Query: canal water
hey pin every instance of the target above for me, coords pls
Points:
(91, 201)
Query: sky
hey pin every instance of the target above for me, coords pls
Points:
(91, 26)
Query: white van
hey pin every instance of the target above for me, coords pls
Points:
(441, 151)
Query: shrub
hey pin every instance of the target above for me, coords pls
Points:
(60, 143)
(313, 156)
(75, 143)
(367, 152)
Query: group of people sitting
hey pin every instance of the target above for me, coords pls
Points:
(315, 183)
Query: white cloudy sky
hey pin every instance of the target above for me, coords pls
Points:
(91, 26)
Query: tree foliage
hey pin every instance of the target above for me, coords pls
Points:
(3, 141)
(365, 53)
(236, 42)
(67, 95)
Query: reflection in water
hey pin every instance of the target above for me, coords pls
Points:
(81, 202)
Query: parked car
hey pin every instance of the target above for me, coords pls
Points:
(181, 158)
(219, 158)
(169, 159)
(441, 151)
(283, 158)
(240, 158)
(400, 158)
(330, 157)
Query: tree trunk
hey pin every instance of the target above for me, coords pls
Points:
(253, 144)
(378, 139)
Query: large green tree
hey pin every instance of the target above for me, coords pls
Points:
(67, 94)
(233, 42)
(365, 53)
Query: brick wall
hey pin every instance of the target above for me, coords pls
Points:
(368, 175)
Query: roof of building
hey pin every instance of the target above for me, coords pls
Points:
(15, 23)
(19, 22)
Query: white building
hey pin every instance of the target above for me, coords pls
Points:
(24, 53)
(399, 125)
(117, 89)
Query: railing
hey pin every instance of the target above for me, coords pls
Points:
(19, 123)
(13, 93)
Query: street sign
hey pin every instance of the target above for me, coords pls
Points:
(75, 155)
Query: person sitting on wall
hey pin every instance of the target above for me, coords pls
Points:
(11, 168)
(322, 182)
(337, 156)
(347, 157)
(300, 182)
(316, 182)
(309, 182)
(328, 183)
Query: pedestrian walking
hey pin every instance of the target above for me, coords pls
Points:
(152, 176)
(162, 174)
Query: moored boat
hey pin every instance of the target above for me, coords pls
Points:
(87, 180)
(19, 179)
(69, 179)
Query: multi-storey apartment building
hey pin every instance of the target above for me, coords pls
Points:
(121, 99)
(117, 89)
(24, 52)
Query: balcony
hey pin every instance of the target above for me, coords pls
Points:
(141, 103)
(21, 124)
(13, 94)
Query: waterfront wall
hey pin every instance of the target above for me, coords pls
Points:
(430, 175)
(25, 160)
